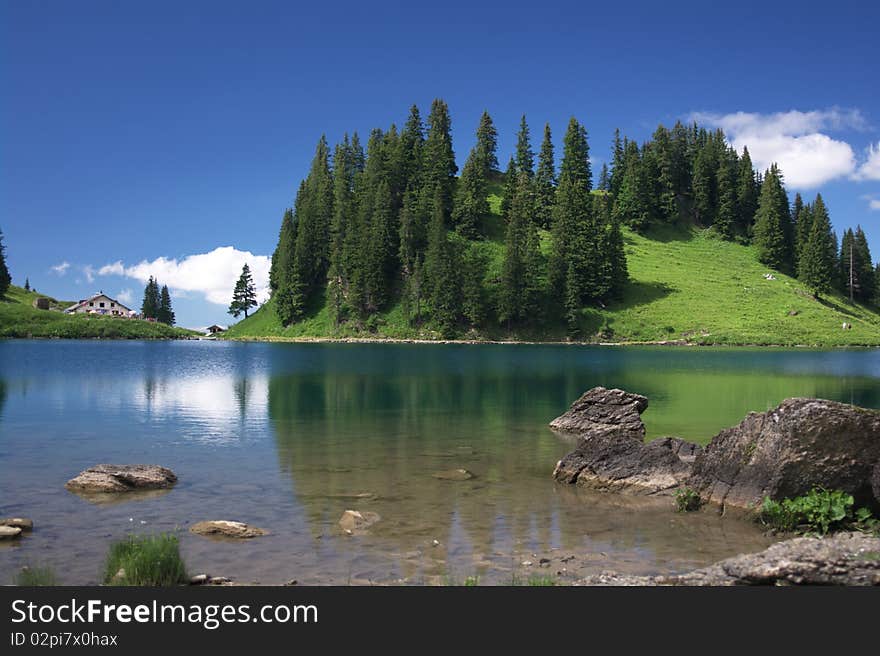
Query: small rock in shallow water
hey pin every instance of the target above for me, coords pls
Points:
(18, 522)
(122, 478)
(357, 521)
(9, 532)
(198, 579)
(227, 529)
(454, 475)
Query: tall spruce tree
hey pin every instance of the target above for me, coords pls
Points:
(618, 154)
(545, 182)
(442, 272)
(152, 300)
(726, 216)
(244, 296)
(438, 161)
(487, 146)
(632, 204)
(525, 157)
(772, 233)
(5, 278)
(165, 314)
(856, 270)
(573, 232)
(746, 195)
(817, 265)
(510, 182)
(516, 299)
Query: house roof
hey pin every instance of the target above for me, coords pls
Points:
(92, 298)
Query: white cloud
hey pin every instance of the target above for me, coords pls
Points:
(808, 157)
(89, 272)
(126, 296)
(211, 274)
(870, 169)
(61, 269)
(873, 202)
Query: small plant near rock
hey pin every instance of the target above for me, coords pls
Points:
(818, 512)
(687, 500)
(152, 560)
(541, 581)
(36, 576)
(472, 582)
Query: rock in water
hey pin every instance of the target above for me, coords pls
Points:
(601, 411)
(611, 454)
(226, 529)
(357, 521)
(842, 559)
(801, 444)
(454, 475)
(18, 522)
(122, 478)
(9, 532)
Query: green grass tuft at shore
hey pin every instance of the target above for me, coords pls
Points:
(686, 286)
(19, 318)
(152, 560)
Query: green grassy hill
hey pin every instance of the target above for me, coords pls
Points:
(685, 285)
(19, 318)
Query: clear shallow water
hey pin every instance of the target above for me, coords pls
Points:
(283, 436)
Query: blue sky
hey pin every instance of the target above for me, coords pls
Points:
(168, 137)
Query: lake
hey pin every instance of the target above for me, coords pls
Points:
(286, 436)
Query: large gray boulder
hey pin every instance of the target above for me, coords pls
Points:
(799, 445)
(603, 411)
(611, 454)
(121, 478)
(842, 559)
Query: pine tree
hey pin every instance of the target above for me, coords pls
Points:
(705, 185)
(573, 230)
(856, 270)
(442, 270)
(473, 290)
(165, 314)
(525, 158)
(772, 233)
(5, 278)
(471, 202)
(343, 208)
(510, 182)
(487, 146)
(244, 296)
(817, 265)
(604, 178)
(746, 195)
(632, 204)
(438, 161)
(513, 276)
(618, 154)
(27, 284)
(152, 300)
(545, 182)
(412, 143)
(727, 214)
(666, 183)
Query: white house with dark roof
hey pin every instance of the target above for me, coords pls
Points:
(101, 304)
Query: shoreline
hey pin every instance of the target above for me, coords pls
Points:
(475, 342)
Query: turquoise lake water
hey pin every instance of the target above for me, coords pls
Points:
(286, 436)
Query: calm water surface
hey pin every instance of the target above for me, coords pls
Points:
(284, 436)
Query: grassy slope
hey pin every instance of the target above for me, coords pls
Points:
(18, 318)
(685, 285)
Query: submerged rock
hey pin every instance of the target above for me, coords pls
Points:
(121, 478)
(227, 529)
(454, 475)
(604, 411)
(800, 444)
(9, 532)
(842, 559)
(18, 522)
(357, 521)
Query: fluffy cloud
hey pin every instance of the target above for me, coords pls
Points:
(126, 296)
(211, 274)
(61, 269)
(873, 203)
(870, 169)
(794, 140)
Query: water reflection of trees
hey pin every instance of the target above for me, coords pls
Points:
(342, 434)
